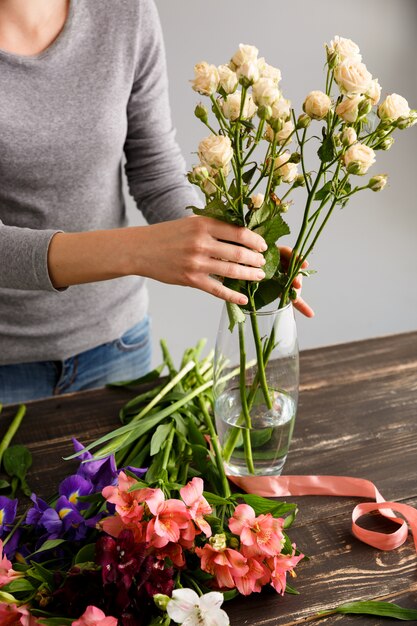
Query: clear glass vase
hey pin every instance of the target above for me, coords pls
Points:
(256, 379)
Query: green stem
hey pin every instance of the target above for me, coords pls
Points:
(11, 431)
(246, 415)
(259, 355)
(167, 448)
(216, 447)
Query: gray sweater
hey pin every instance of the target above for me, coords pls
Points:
(67, 117)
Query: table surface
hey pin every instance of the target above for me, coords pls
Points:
(356, 417)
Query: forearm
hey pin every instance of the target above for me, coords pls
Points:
(86, 257)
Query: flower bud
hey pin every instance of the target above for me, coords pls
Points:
(228, 79)
(365, 106)
(377, 183)
(349, 136)
(198, 174)
(264, 112)
(248, 73)
(257, 200)
(276, 124)
(303, 121)
(299, 181)
(161, 601)
(385, 144)
(295, 158)
(201, 113)
(218, 542)
(332, 58)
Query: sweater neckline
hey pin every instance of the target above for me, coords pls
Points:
(53, 47)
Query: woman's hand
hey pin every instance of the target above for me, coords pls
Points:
(298, 303)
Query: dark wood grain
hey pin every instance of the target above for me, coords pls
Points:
(357, 416)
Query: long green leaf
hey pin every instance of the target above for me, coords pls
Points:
(374, 607)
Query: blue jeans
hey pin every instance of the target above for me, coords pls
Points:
(125, 358)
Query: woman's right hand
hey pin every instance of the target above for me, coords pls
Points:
(188, 251)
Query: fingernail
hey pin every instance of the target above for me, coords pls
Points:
(264, 246)
(262, 260)
(260, 274)
(243, 300)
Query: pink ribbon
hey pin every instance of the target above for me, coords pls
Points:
(273, 486)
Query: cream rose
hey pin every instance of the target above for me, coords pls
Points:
(248, 72)
(228, 78)
(245, 54)
(393, 107)
(231, 106)
(349, 136)
(374, 92)
(257, 200)
(358, 159)
(265, 92)
(281, 109)
(206, 80)
(352, 77)
(287, 171)
(317, 105)
(282, 135)
(348, 109)
(345, 49)
(268, 71)
(215, 151)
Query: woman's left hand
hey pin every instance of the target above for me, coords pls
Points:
(298, 303)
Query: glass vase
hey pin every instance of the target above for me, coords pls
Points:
(256, 379)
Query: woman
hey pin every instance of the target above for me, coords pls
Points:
(83, 84)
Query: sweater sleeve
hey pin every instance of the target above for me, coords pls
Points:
(155, 167)
(24, 258)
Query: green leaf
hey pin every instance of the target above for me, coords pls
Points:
(291, 590)
(16, 461)
(327, 151)
(214, 499)
(235, 313)
(216, 209)
(38, 572)
(324, 192)
(265, 505)
(159, 437)
(4, 484)
(247, 176)
(267, 292)
(55, 621)
(275, 229)
(18, 585)
(271, 261)
(373, 607)
(50, 544)
(261, 215)
(86, 554)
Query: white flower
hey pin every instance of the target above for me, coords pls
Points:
(187, 608)
(288, 171)
(269, 71)
(349, 136)
(231, 106)
(348, 109)
(265, 92)
(248, 72)
(281, 109)
(374, 92)
(393, 107)
(282, 135)
(358, 159)
(257, 200)
(245, 54)
(317, 105)
(215, 151)
(206, 80)
(345, 49)
(352, 77)
(228, 78)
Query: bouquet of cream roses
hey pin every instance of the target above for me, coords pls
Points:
(254, 157)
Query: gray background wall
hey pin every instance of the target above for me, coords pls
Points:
(366, 261)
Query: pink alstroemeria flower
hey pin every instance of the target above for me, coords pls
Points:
(94, 617)
(7, 573)
(192, 494)
(281, 565)
(225, 564)
(170, 517)
(254, 579)
(13, 615)
(262, 534)
(128, 504)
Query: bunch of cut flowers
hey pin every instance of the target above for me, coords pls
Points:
(256, 155)
(125, 546)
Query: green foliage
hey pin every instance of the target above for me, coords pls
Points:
(17, 461)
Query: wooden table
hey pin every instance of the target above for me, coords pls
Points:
(357, 417)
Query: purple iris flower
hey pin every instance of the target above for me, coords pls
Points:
(8, 510)
(75, 486)
(139, 472)
(34, 515)
(100, 473)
